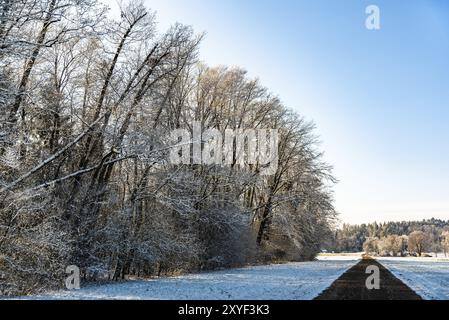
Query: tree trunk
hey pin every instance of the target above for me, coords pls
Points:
(30, 63)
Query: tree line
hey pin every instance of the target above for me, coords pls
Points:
(394, 238)
(87, 103)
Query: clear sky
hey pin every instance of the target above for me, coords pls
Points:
(380, 99)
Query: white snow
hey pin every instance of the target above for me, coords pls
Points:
(428, 277)
(340, 257)
(294, 281)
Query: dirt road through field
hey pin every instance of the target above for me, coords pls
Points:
(352, 285)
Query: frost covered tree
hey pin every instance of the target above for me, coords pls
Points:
(371, 246)
(419, 242)
(445, 242)
(87, 107)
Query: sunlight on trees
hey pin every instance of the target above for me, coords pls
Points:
(87, 105)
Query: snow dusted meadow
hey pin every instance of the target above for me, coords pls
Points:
(428, 277)
(294, 281)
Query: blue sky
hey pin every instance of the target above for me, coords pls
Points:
(380, 99)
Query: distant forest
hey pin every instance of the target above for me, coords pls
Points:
(351, 238)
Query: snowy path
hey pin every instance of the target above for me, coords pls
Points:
(352, 285)
(428, 277)
(294, 281)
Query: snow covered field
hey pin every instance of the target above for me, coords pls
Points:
(342, 257)
(429, 277)
(294, 281)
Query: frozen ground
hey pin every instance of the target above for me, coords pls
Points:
(294, 281)
(429, 277)
(341, 257)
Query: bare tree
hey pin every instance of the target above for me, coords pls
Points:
(418, 242)
(87, 109)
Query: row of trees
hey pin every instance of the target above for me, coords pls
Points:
(417, 243)
(393, 237)
(87, 108)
